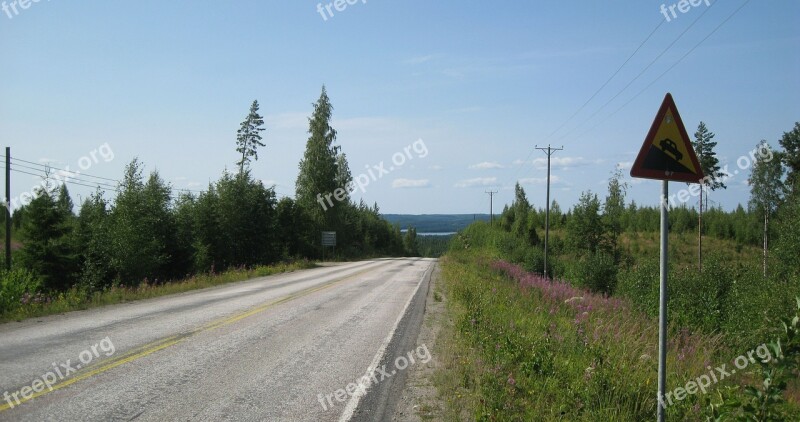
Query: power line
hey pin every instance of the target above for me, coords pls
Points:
(668, 69)
(65, 175)
(48, 166)
(642, 72)
(74, 176)
(610, 78)
(661, 22)
(549, 151)
(65, 181)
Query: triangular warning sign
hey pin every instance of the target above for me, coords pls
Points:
(667, 152)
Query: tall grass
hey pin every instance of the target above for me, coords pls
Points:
(522, 347)
(535, 350)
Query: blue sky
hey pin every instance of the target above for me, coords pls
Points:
(480, 83)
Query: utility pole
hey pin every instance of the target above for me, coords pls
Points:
(549, 151)
(8, 208)
(491, 209)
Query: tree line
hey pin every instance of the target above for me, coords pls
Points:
(593, 227)
(148, 233)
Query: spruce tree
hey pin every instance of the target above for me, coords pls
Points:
(704, 148)
(322, 171)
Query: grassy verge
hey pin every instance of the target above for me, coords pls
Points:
(522, 348)
(77, 299)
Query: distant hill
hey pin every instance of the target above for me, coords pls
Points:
(435, 223)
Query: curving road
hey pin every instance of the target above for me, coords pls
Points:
(325, 344)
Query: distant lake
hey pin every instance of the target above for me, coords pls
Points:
(436, 234)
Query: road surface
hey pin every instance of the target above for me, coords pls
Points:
(325, 344)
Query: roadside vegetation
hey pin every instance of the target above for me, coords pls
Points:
(433, 246)
(580, 342)
(522, 347)
(148, 239)
(19, 283)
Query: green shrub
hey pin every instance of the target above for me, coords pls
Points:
(640, 284)
(16, 286)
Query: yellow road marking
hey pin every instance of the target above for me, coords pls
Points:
(150, 348)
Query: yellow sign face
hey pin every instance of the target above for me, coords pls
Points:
(668, 140)
(667, 152)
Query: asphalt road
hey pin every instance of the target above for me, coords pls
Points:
(325, 344)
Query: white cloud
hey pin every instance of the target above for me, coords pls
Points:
(562, 162)
(558, 162)
(478, 181)
(540, 180)
(625, 165)
(435, 167)
(194, 184)
(486, 165)
(410, 183)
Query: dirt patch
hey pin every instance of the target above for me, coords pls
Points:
(420, 401)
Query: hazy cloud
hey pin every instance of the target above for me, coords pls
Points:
(478, 181)
(410, 183)
(554, 180)
(486, 165)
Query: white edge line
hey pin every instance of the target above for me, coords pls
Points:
(350, 409)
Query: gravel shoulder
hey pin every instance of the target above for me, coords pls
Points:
(420, 400)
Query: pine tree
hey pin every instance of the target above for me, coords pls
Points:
(410, 242)
(141, 227)
(46, 233)
(94, 237)
(585, 227)
(248, 137)
(521, 208)
(613, 211)
(709, 163)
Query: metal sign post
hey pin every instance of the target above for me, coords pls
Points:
(328, 239)
(662, 302)
(666, 154)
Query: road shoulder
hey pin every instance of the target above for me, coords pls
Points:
(419, 400)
